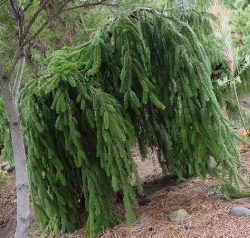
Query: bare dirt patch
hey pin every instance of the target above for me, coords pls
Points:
(8, 208)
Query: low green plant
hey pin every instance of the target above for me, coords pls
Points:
(3, 176)
(5, 139)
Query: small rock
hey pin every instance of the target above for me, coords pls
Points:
(178, 215)
(239, 211)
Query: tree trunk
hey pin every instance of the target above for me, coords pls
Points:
(18, 79)
(22, 181)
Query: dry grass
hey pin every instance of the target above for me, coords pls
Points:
(223, 15)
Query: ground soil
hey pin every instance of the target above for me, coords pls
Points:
(8, 207)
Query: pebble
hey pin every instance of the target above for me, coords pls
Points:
(178, 215)
(239, 211)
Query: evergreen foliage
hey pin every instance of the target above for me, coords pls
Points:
(143, 78)
(5, 139)
(240, 30)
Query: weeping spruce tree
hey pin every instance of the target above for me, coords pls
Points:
(143, 79)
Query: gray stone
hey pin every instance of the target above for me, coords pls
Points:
(178, 215)
(239, 211)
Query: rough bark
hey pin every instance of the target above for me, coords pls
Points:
(22, 181)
